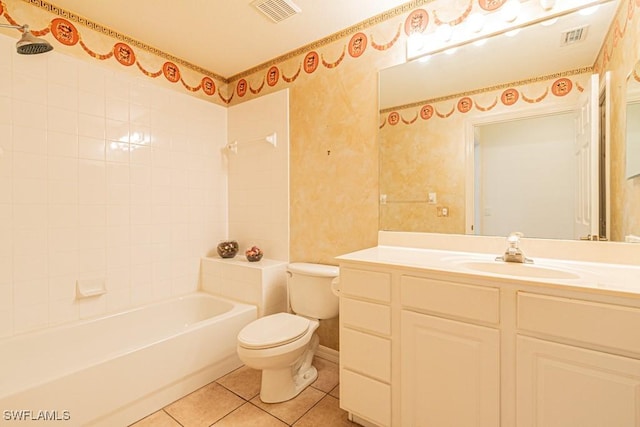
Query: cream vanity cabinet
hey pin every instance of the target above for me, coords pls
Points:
(365, 344)
(449, 353)
(578, 362)
(424, 347)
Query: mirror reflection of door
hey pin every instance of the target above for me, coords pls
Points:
(525, 177)
(543, 175)
(587, 157)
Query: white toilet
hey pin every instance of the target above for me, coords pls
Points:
(282, 345)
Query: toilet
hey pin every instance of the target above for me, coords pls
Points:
(282, 345)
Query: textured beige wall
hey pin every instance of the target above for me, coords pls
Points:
(418, 158)
(334, 167)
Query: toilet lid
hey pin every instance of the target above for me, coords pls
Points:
(273, 330)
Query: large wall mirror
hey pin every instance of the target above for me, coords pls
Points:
(508, 133)
(632, 170)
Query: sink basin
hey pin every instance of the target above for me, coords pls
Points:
(520, 270)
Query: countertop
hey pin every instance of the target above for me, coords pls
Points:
(595, 276)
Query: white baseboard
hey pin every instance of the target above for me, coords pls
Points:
(329, 354)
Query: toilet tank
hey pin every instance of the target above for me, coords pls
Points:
(309, 287)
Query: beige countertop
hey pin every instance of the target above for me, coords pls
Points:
(595, 276)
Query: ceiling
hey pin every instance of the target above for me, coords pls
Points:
(225, 37)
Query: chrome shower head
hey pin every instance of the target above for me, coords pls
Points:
(28, 43)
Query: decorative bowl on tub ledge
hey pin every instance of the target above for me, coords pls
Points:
(227, 248)
(253, 254)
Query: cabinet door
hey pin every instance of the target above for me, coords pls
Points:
(565, 386)
(450, 373)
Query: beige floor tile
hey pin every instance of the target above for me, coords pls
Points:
(157, 419)
(249, 415)
(326, 413)
(328, 375)
(244, 381)
(293, 409)
(204, 406)
(335, 392)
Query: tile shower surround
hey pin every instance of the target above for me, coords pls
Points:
(102, 176)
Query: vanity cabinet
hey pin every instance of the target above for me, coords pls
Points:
(365, 344)
(447, 365)
(450, 353)
(424, 347)
(577, 362)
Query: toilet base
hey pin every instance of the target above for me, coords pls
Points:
(279, 385)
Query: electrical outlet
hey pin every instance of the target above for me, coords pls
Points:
(442, 211)
(432, 199)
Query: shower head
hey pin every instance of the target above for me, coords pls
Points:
(28, 43)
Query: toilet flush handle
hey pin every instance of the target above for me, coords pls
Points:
(335, 286)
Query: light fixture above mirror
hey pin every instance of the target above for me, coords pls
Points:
(472, 26)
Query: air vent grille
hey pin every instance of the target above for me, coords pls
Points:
(277, 10)
(573, 36)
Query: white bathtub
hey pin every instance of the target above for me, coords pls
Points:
(116, 369)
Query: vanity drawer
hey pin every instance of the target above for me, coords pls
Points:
(365, 315)
(366, 354)
(365, 397)
(365, 284)
(607, 325)
(471, 302)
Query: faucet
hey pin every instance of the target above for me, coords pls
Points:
(513, 253)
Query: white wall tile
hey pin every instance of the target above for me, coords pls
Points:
(62, 192)
(62, 169)
(6, 110)
(62, 70)
(29, 139)
(30, 216)
(62, 120)
(29, 89)
(62, 97)
(251, 187)
(30, 292)
(91, 126)
(91, 78)
(30, 317)
(29, 165)
(103, 176)
(63, 215)
(5, 80)
(91, 148)
(30, 241)
(6, 140)
(63, 239)
(62, 144)
(117, 109)
(91, 103)
(92, 262)
(29, 191)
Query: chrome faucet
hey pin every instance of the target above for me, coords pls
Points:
(513, 253)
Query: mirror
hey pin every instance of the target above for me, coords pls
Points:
(632, 169)
(435, 113)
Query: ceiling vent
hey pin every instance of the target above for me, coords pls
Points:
(277, 10)
(573, 36)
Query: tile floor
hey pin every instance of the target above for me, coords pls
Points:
(233, 401)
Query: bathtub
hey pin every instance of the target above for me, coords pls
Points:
(116, 369)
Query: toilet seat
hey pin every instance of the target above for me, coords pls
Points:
(273, 331)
